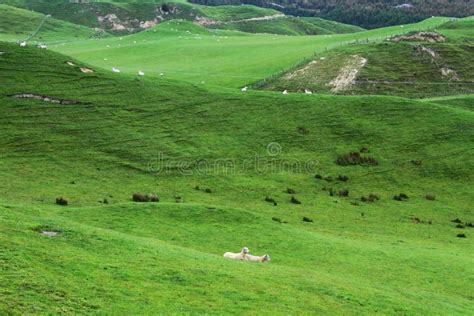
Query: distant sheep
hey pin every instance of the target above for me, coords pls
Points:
(141, 73)
(285, 92)
(244, 89)
(42, 46)
(237, 256)
(115, 70)
(23, 44)
(306, 91)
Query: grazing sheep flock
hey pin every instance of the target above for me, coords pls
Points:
(246, 256)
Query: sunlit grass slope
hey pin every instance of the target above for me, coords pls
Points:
(215, 58)
(116, 135)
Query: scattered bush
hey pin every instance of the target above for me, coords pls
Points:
(197, 187)
(307, 219)
(416, 162)
(139, 197)
(372, 197)
(105, 201)
(364, 150)
(270, 200)
(355, 203)
(62, 201)
(354, 158)
(178, 199)
(459, 226)
(328, 179)
(342, 178)
(208, 190)
(343, 192)
(318, 176)
(276, 219)
(295, 200)
(400, 197)
(457, 220)
(331, 192)
(461, 235)
(430, 197)
(290, 191)
(303, 130)
(469, 225)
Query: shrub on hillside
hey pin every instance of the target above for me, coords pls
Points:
(290, 191)
(295, 200)
(355, 158)
(342, 178)
(307, 219)
(62, 201)
(139, 197)
(343, 192)
(400, 197)
(430, 197)
(318, 176)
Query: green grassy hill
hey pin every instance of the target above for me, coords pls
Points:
(115, 134)
(181, 50)
(289, 25)
(414, 67)
(18, 24)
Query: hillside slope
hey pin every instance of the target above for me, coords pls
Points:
(181, 50)
(19, 24)
(416, 64)
(289, 25)
(98, 137)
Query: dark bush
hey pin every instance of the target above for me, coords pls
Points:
(373, 197)
(178, 199)
(461, 235)
(208, 190)
(459, 226)
(342, 178)
(154, 198)
(105, 201)
(303, 130)
(197, 187)
(354, 158)
(270, 200)
(457, 220)
(430, 197)
(62, 201)
(469, 225)
(307, 219)
(355, 203)
(138, 197)
(400, 197)
(364, 150)
(343, 192)
(331, 192)
(276, 219)
(318, 176)
(290, 191)
(295, 200)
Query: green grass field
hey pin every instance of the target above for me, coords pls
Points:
(355, 257)
(184, 51)
(98, 137)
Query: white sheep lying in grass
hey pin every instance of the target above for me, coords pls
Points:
(237, 256)
(115, 69)
(23, 44)
(263, 258)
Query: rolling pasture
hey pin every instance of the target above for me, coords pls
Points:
(113, 255)
(181, 50)
(364, 203)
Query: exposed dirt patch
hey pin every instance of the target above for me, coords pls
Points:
(348, 73)
(431, 37)
(203, 21)
(450, 73)
(49, 233)
(86, 70)
(424, 49)
(44, 98)
(302, 71)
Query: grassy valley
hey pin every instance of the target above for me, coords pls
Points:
(363, 202)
